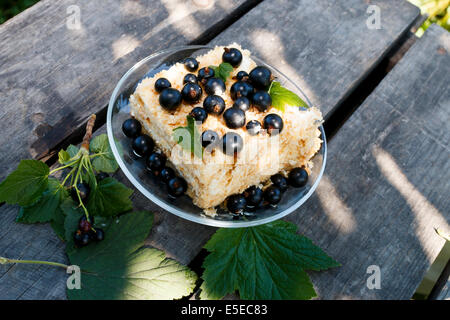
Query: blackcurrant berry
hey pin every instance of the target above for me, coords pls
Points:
(241, 89)
(214, 104)
(253, 196)
(236, 203)
(161, 84)
(190, 78)
(97, 234)
(191, 92)
(232, 143)
(298, 177)
(241, 76)
(199, 114)
(280, 181)
(83, 190)
(81, 239)
(234, 118)
(143, 145)
(272, 195)
(204, 74)
(191, 64)
(210, 139)
(253, 127)
(176, 187)
(101, 176)
(131, 128)
(242, 103)
(261, 100)
(273, 124)
(233, 56)
(84, 225)
(215, 86)
(170, 99)
(156, 161)
(166, 174)
(260, 77)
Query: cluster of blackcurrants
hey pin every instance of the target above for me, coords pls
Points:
(86, 233)
(143, 146)
(254, 197)
(249, 90)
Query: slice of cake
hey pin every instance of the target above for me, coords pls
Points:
(214, 174)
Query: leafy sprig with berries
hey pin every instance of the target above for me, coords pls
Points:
(92, 213)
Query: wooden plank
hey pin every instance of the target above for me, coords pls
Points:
(325, 47)
(174, 235)
(52, 76)
(386, 182)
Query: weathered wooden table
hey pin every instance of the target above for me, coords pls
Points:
(386, 184)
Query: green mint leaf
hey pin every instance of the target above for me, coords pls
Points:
(189, 138)
(109, 198)
(47, 207)
(104, 161)
(26, 184)
(264, 262)
(119, 268)
(222, 71)
(282, 97)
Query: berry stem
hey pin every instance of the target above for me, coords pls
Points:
(68, 176)
(88, 135)
(60, 168)
(4, 260)
(78, 176)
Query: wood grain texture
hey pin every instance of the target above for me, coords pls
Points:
(387, 180)
(323, 46)
(52, 77)
(328, 56)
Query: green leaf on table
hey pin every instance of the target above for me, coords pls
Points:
(109, 198)
(282, 97)
(189, 138)
(222, 71)
(119, 268)
(47, 207)
(26, 184)
(104, 161)
(57, 223)
(264, 262)
(72, 213)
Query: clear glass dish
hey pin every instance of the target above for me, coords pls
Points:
(134, 169)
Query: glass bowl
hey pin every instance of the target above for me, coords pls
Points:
(134, 169)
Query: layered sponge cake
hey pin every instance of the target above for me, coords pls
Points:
(215, 175)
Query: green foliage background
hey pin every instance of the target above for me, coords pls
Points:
(438, 12)
(9, 8)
